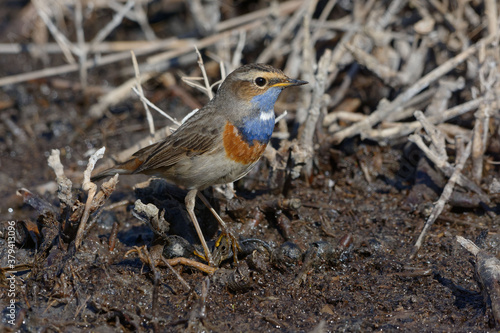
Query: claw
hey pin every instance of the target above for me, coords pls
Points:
(228, 240)
(225, 234)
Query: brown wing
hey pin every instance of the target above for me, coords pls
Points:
(197, 136)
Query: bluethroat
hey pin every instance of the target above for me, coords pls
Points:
(218, 144)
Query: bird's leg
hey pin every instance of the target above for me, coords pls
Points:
(190, 201)
(225, 229)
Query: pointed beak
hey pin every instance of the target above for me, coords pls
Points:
(289, 83)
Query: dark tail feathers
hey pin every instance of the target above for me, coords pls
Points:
(125, 168)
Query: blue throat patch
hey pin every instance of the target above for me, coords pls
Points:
(255, 128)
(266, 101)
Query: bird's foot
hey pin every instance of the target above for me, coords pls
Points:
(207, 257)
(226, 246)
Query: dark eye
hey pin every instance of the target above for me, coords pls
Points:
(260, 81)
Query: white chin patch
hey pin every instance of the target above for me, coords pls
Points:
(264, 116)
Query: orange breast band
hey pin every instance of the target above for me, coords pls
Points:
(238, 149)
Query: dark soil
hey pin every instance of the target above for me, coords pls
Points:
(339, 262)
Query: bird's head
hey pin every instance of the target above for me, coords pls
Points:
(257, 84)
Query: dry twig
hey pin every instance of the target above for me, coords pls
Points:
(488, 272)
(318, 101)
(91, 188)
(448, 189)
(138, 89)
(385, 108)
(63, 182)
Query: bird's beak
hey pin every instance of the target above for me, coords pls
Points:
(289, 83)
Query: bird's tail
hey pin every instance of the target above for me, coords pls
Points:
(125, 168)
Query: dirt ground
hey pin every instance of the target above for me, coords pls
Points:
(329, 251)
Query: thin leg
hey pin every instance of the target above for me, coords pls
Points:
(212, 210)
(190, 201)
(224, 227)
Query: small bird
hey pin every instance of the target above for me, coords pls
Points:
(218, 144)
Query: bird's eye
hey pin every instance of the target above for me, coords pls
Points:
(260, 81)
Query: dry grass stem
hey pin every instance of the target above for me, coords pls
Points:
(138, 15)
(66, 46)
(487, 269)
(318, 101)
(116, 95)
(18, 132)
(64, 184)
(468, 245)
(206, 15)
(386, 108)
(437, 153)
(272, 49)
(206, 88)
(177, 275)
(138, 89)
(488, 78)
(91, 188)
(154, 107)
(117, 19)
(386, 74)
(80, 40)
(179, 47)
